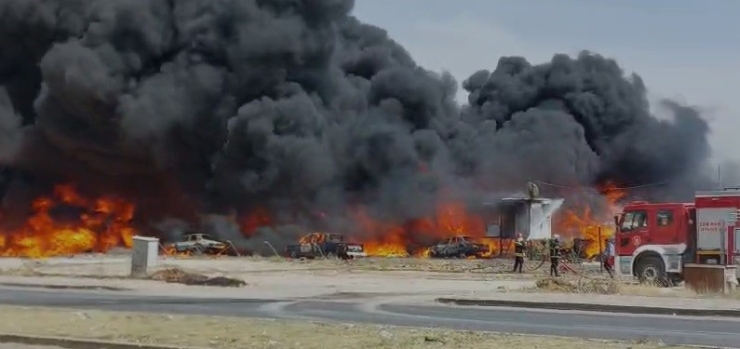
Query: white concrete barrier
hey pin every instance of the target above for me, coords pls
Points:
(144, 256)
(730, 279)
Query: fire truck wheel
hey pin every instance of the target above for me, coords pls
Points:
(651, 270)
(675, 279)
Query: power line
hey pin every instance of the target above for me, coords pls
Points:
(655, 184)
(553, 185)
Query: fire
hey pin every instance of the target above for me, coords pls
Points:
(453, 219)
(594, 227)
(103, 223)
(391, 245)
(396, 239)
(256, 219)
(99, 224)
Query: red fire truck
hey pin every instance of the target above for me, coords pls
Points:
(654, 240)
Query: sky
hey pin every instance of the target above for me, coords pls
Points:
(685, 50)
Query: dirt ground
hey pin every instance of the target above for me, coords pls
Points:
(112, 265)
(319, 276)
(237, 333)
(610, 287)
(24, 346)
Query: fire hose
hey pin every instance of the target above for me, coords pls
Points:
(538, 266)
(570, 269)
(563, 266)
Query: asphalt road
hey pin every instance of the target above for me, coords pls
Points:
(669, 329)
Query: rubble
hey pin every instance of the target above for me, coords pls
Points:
(180, 276)
(583, 285)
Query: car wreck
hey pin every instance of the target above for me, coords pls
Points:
(324, 245)
(459, 247)
(196, 243)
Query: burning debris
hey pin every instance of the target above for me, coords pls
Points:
(590, 219)
(67, 223)
(254, 116)
(459, 246)
(325, 245)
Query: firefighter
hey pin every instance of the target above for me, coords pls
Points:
(520, 247)
(555, 249)
(608, 257)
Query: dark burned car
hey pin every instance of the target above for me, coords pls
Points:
(325, 244)
(459, 247)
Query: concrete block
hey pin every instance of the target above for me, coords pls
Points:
(730, 279)
(710, 278)
(144, 256)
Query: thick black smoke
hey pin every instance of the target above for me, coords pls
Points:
(208, 106)
(583, 119)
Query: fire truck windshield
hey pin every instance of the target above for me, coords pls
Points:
(632, 220)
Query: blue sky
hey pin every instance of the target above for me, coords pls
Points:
(685, 50)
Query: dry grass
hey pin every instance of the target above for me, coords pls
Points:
(580, 286)
(224, 332)
(31, 267)
(394, 264)
(501, 266)
(608, 286)
(653, 291)
(469, 266)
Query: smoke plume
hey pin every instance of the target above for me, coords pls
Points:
(193, 107)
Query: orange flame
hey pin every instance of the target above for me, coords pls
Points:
(103, 224)
(106, 222)
(595, 227)
(450, 219)
(256, 219)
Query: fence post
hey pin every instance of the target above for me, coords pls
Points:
(601, 252)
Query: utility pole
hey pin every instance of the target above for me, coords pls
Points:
(719, 176)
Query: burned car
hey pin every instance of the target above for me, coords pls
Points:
(198, 243)
(325, 244)
(458, 247)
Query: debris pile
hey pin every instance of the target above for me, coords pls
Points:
(598, 286)
(180, 276)
(556, 285)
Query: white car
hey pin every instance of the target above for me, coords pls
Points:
(199, 244)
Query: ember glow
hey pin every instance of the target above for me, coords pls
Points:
(254, 220)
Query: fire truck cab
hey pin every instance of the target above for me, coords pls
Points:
(653, 241)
